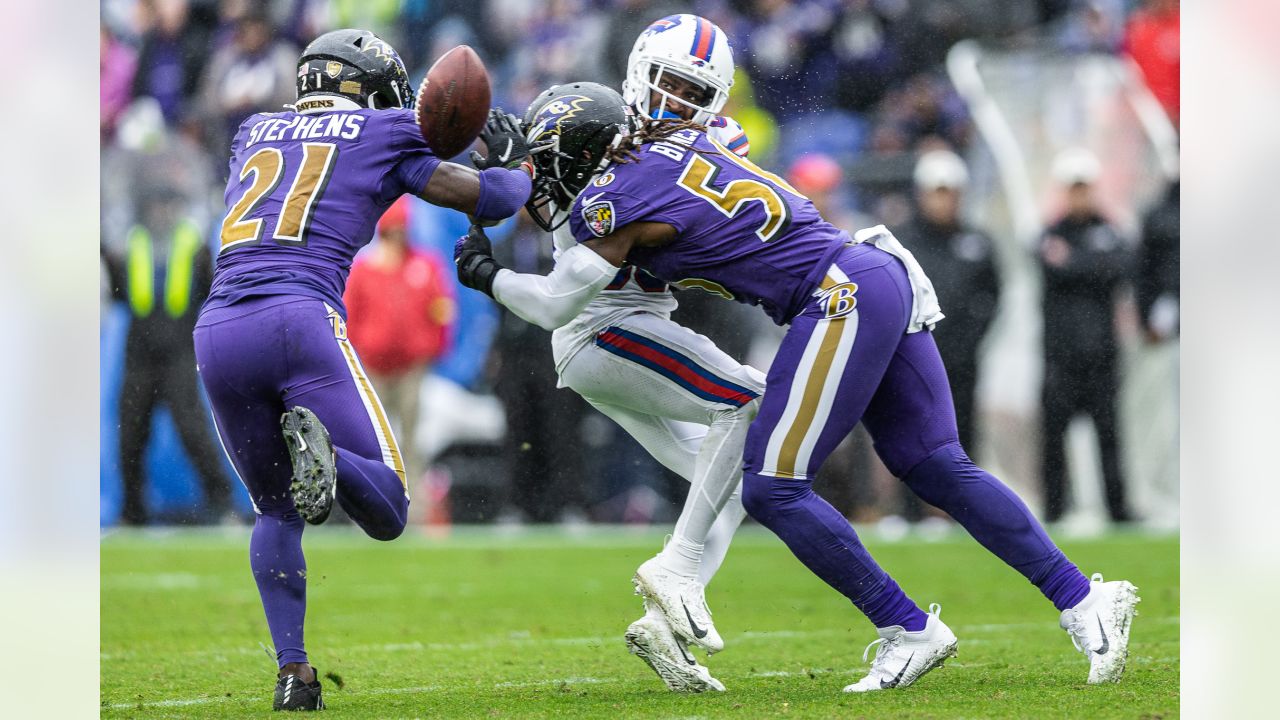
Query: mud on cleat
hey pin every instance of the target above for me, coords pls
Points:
(651, 639)
(682, 601)
(905, 656)
(1099, 627)
(315, 471)
(294, 694)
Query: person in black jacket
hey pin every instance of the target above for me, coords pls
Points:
(163, 276)
(961, 262)
(1158, 267)
(1084, 260)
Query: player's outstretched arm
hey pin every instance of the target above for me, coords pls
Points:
(581, 272)
(491, 194)
(500, 189)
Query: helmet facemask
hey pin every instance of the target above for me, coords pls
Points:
(703, 111)
(560, 177)
(549, 191)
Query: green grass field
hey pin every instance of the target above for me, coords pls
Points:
(530, 625)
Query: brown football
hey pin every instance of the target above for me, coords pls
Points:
(453, 101)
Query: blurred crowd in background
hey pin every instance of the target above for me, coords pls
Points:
(850, 99)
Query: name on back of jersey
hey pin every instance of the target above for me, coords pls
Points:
(306, 127)
(676, 144)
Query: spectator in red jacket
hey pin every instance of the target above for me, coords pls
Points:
(400, 313)
(1152, 39)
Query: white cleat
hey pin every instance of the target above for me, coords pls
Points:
(683, 603)
(1099, 627)
(904, 656)
(651, 639)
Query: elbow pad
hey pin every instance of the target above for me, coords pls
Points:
(553, 300)
(502, 193)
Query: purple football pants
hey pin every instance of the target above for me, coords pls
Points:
(847, 358)
(257, 359)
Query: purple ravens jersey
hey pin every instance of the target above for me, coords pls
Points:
(305, 193)
(742, 233)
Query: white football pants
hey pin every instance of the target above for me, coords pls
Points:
(689, 405)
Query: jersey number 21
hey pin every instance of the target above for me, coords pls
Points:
(267, 167)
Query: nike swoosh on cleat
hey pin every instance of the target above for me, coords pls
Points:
(685, 653)
(1106, 644)
(697, 631)
(897, 679)
(302, 443)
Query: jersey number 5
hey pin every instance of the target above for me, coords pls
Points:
(699, 178)
(267, 167)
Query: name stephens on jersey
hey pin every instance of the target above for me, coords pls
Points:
(307, 127)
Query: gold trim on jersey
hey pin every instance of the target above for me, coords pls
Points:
(814, 385)
(382, 428)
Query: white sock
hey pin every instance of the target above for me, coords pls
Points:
(717, 545)
(717, 474)
(681, 556)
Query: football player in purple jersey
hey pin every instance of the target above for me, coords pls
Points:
(665, 197)
(688, 403)
(306, 188)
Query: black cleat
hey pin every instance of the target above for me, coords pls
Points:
(315, 470)
(294, 694)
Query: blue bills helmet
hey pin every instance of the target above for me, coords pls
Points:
(355, 64)
(686, 46)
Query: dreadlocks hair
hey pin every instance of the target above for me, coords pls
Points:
(650, 130)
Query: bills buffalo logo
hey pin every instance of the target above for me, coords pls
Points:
(599, 218)
(333, 68)
(838, 300)
(663, 25)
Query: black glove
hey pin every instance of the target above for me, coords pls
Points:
(473, 256)
(504, 141)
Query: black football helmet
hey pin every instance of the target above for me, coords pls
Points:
(570, 128)
(355, 64)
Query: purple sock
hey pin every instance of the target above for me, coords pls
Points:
(1066, 586)
(825, 542)
(373, 495)
(275, 555)
(893, 607)
(998, 519)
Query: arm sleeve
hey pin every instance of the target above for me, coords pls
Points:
(551, 301)
(502, 193)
